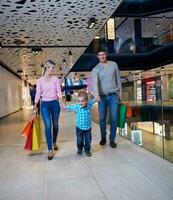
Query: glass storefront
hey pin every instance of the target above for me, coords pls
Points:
(151, 123)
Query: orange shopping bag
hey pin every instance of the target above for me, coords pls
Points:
(27, 128)
(129, 110)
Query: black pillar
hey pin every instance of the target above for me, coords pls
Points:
(138, 35)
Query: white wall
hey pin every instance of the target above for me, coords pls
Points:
(10, 92)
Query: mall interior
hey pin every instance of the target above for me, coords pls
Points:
(138, 36)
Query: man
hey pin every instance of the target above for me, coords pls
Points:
(107, 91)
(32, 93)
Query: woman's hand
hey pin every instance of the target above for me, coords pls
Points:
(35, 110)
(63, 108)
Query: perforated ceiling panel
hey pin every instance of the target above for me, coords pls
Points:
(51, 22)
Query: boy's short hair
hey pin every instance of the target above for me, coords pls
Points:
(101, 50)
(83, 93)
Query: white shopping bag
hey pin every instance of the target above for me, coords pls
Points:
(136, 137)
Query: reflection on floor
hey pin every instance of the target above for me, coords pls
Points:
(128, 172)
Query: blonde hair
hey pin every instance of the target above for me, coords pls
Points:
(83, 93)
(45, 65)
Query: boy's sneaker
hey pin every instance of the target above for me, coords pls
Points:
(88, 153)
(79, 152)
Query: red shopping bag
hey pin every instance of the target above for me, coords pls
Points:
(27, 128)
(28, 144)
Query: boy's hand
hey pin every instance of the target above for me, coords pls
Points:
(97, 98)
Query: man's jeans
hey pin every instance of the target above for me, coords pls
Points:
(50, 111)
(110, 102)
(83, 139)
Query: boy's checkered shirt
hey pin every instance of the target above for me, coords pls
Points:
(83, 114)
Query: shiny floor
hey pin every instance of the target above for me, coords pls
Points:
(126, 173)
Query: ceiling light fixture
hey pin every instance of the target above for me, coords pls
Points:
(91, 23)
(36, 49)
(157, 25)
(64, 61)
(70, 53)
(19, 71)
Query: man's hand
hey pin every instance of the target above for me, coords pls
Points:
(97, 98)
(120, 98)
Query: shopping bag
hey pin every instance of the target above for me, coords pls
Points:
(28, 144)
(27, 128)
(36, 136)
(136, 111)
(136, 137)
(129, 110)
(122, 111)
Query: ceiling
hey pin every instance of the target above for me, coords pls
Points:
(59, 24)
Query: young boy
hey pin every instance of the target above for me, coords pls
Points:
(83, 122)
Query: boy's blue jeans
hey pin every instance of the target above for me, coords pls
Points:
(50, 111)
(83, 139)
(110, 101)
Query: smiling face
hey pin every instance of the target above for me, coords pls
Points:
(102, 56)
(50, 68)
(82, 101)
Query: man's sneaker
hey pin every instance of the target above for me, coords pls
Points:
(79, 152)
(103, 141)
(88, 153)
(113, 144)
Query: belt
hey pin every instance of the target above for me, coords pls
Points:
(109, 94)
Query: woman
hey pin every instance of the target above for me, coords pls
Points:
(49, 90)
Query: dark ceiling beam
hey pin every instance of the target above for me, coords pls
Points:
(140, 61)
(45, 46)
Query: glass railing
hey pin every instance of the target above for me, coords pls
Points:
(128, 47)
(151, 123)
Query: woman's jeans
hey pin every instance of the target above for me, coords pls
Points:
(50, 111)
(110, 101)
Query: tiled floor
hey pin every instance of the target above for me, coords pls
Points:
(126, 173)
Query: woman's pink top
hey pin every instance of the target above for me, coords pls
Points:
(48, 90)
